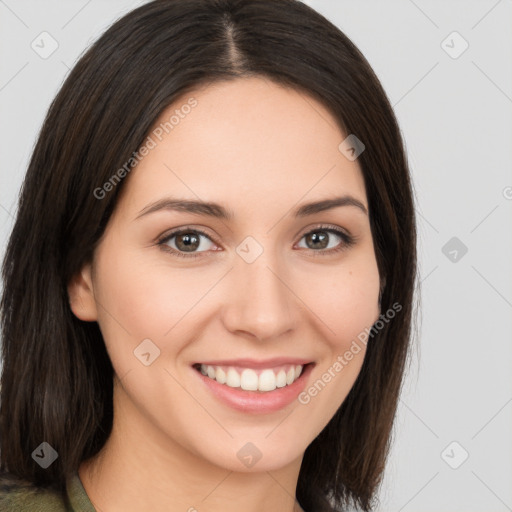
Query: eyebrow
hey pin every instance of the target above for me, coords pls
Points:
(218, 211)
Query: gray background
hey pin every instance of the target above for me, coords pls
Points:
(455, 114)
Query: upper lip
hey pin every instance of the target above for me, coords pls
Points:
(257, 364)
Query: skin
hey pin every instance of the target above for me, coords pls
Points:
(261, 150)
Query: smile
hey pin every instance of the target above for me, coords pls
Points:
(249, 379)
(263, 389)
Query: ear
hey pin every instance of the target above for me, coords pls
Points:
(81, 295)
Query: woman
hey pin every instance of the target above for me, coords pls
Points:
(208, 287)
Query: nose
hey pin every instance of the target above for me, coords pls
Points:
(259, 299)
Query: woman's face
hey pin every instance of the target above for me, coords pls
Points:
(262, 284)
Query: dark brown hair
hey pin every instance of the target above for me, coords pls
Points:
(56, 383)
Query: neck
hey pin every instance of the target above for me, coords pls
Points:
(140, 468)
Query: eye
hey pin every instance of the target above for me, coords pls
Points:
(321, 237)
(187, 242)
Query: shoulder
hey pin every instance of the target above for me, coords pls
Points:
(23, 496)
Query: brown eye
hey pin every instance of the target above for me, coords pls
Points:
(186, 242)
(325, 240)
(317, 241)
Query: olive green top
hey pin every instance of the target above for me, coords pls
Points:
(18, 495)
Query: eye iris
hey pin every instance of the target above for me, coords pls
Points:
(189, 242)
(315, 237)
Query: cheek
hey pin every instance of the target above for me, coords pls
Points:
(140, 299)
(171, 305)
(347, 306)
(344, 298)
(150, 299)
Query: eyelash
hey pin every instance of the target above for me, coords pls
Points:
(347, 241)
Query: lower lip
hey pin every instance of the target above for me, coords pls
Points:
(257, 401)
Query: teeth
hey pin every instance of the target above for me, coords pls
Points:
(233, 379)
(281, 379)
(249, 380)
(220, 376)
(267, 381)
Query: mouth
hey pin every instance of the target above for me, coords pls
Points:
(255, 390)
(262, 380)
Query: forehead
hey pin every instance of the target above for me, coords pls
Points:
(249, 142)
